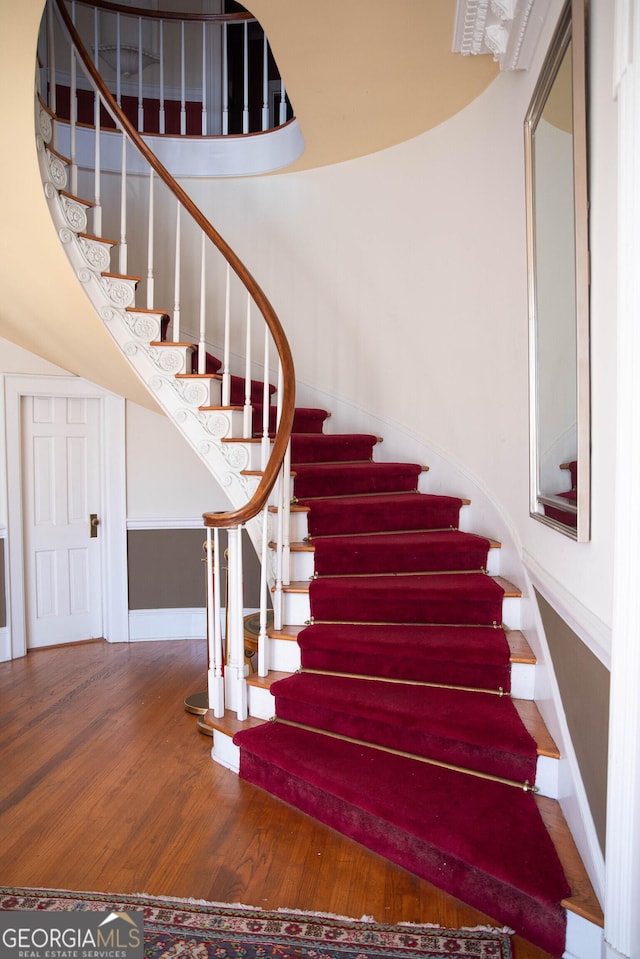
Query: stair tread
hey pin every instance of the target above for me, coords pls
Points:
(435, 838)
(476, 730)
(527, 711)
(61, 156)
(265, 682)
(288, 632)
(347, 477)
(582, 900)
(520, 649)
(304, 585)
(78, 199)
(104, 239)
(121, 276)
(537, 728)
(229, 723)
(309, 544)
(413, 551)
(381, 512)
(141, 309)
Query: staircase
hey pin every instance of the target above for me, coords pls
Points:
(402, 712)
(398, 676)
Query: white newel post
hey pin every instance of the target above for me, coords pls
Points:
(622, 892)
(236, 670)
(215, 676)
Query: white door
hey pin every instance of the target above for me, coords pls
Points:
(61, 490)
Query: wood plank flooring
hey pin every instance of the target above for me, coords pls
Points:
(106, 785)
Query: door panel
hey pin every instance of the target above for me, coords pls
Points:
(61, 487)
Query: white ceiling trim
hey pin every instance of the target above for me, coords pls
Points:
(506, 29)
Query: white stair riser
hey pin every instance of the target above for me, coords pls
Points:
(523, 676)
(548, 777)
(302, 564)
(252, 451)
(584, 939)
(296, 610)
(262, 705)
(300, 529)
(225, 752)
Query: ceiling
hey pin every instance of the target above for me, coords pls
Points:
(364, 75)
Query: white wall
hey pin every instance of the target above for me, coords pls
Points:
(166, 480)
(401, 281)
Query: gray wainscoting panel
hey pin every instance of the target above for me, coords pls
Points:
(167, 571)
(584, 687)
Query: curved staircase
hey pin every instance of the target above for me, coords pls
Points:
(403, 720)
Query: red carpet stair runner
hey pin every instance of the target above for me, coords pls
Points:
(397, 732)
(571, 496)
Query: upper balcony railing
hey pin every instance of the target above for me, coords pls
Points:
(172, 73)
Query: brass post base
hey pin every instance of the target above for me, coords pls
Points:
(197, 703)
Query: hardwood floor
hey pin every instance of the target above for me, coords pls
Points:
(106, 785)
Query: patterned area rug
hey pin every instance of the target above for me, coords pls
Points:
(185, 929)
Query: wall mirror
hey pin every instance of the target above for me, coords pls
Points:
(558, 275)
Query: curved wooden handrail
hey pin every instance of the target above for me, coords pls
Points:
(281, 441)
(166, 14)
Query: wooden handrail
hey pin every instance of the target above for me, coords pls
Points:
(259, 499)
(166, 14)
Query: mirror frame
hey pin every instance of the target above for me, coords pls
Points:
(571, 29)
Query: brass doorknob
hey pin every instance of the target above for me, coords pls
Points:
(94, 522)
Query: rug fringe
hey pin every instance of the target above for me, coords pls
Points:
(239, 905)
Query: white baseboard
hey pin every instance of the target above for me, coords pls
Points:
(149, 625)
(146, 625)
(5, 645)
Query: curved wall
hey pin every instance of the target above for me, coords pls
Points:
(401, 280)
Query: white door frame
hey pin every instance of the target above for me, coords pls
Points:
(113, 493)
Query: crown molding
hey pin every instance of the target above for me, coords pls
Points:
(508, 30)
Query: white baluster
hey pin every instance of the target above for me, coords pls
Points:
(96, 36)
(226, 374)
(97, 196)
(118, 69)
(73, 109)
(266, 402)
(236, 670)
(215, 677)
(53, 93)
(225, 82)
(283, 104)
(161, 119)
(263, 639)
(140, 99)
(286, 517)
(265, 83)
(150, 242)
(202, 345)
(176, 282)
(204, 79)
(285, 505)
(123, 209)
(245, 108)
(277, 591)
(247, 421)
(183, 83)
